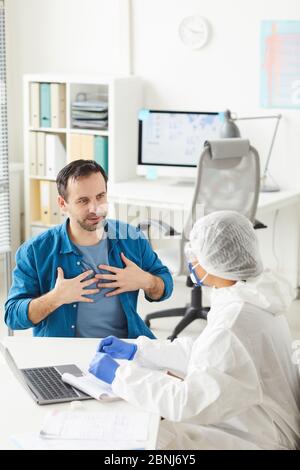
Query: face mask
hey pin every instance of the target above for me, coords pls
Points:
(194, 277)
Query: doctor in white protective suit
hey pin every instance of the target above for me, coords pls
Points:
(240, 388)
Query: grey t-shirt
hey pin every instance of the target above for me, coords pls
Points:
(105, 316)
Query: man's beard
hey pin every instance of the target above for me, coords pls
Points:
(92, 227)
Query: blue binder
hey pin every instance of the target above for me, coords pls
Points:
(101, 151)
(45, 105)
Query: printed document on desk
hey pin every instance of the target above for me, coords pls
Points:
(83, 429)
(33, 441)
(90, 425)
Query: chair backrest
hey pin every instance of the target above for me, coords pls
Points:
(228, 178)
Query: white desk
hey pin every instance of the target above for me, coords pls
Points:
(278, 210)
(167, 193)
(19, 413)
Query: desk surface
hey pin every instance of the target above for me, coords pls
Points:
(19, 413)
(165, 192)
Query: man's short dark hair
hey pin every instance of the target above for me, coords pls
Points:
(75, 170)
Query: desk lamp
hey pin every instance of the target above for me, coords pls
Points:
(230, 130)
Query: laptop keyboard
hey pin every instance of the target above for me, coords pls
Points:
(49, 384)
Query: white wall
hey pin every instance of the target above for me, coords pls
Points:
(225, 74)
(58, 36)
(72, 36)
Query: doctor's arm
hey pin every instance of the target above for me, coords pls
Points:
(217, 388)
(164, 354)
(150, 353)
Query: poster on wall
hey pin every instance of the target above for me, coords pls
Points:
(280, 64)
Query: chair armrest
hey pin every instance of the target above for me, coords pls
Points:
(167, 229)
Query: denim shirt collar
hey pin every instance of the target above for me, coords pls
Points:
(111, 227)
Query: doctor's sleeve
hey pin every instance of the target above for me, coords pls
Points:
(216, 388)
(164, 354)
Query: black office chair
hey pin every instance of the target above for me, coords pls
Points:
(228, 178)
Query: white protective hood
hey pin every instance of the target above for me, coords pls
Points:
(268, 291)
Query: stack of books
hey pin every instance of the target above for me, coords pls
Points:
(90, 114)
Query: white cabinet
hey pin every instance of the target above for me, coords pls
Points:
(53, 137)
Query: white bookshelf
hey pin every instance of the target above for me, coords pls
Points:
(124, 98)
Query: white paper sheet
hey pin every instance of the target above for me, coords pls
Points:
(90, 385)
(32, 441)
(86, 425)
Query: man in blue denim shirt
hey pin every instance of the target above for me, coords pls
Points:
(55, 291)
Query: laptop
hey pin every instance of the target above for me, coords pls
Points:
(45, 384)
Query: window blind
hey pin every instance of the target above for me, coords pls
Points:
(5, 238)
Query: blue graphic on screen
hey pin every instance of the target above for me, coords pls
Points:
(173, 138)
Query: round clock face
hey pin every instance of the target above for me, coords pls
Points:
(193, 31)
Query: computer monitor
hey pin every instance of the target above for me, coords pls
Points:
(170, 142)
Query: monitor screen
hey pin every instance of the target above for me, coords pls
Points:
(175, 138)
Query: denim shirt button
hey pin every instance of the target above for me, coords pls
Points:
(72, 326)
(78, 263)
(74, 305)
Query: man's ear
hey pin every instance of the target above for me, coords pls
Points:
(61, 203)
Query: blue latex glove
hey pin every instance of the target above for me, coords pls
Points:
(103, 367)
(117, 348)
